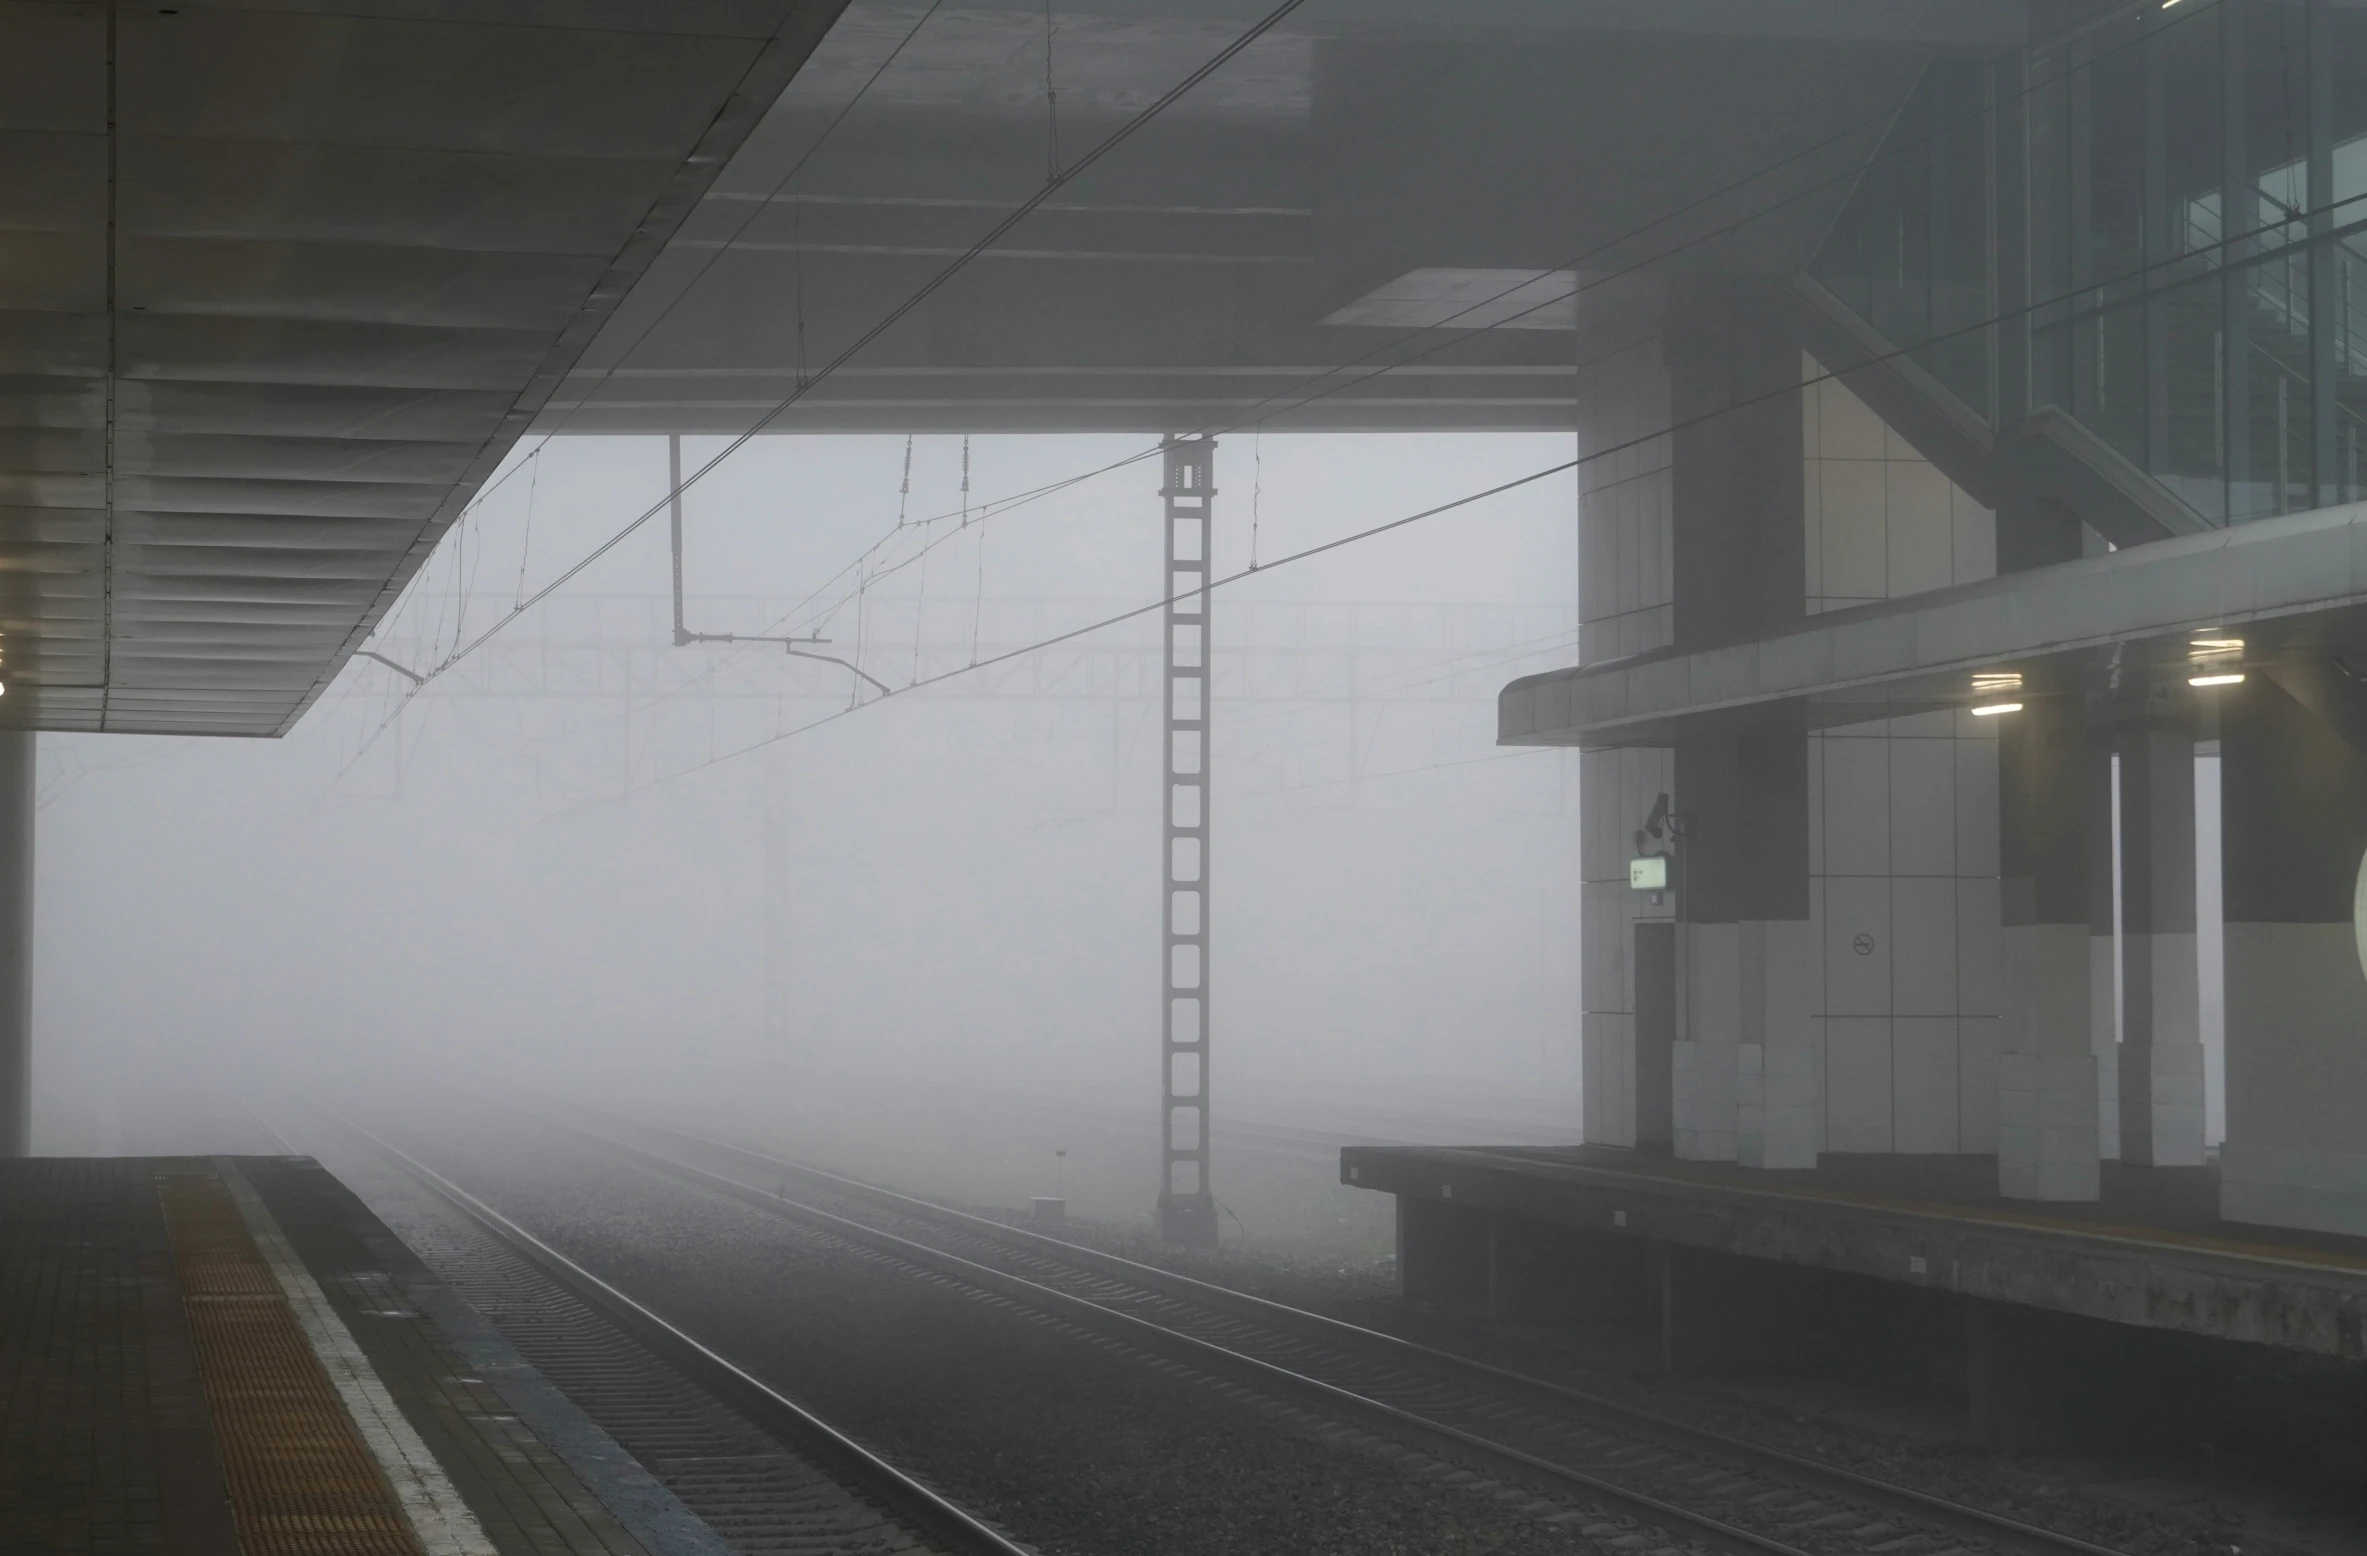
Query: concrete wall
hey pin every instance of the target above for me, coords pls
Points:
(1870, 1025)
(1903, 840)
(1626, 566)
(1882, 521)
(2294, 817)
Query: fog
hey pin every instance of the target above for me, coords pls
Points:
(583, 860)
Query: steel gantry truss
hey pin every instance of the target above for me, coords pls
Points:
(1187, 1208)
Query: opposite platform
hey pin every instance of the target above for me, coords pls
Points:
(214, 1356)
(2152, 1252)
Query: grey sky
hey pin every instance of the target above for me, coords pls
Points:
(961, 886)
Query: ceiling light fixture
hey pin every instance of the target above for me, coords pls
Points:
(1991, 710)
(2230, 679)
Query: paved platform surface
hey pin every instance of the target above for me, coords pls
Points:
(2153, 1251)
(218, 1356)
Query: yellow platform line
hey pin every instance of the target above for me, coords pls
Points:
(302, 1481)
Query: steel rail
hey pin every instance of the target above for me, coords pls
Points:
(1345, 1406)
(1961, 1518)
(922, 1511)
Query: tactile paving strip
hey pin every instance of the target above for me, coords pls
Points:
(302, 1482)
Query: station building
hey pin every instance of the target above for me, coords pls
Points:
(1924, 569)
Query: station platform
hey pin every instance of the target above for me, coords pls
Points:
(1517, 1228)
(231, 1356)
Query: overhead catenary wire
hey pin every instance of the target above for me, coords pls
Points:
(1257, 491)
(918, 296)
(526, 542)
(1139, 611)
(1581, 286)
(871, 575)
(978, 592)
(755, 208)
(1577, 462)
(920, 612)
(1324, 386)
(707, 262)
(1609, 451)
(878, 328)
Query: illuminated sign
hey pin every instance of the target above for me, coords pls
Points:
(1650, 873)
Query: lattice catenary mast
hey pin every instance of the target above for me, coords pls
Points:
(1187, 1210)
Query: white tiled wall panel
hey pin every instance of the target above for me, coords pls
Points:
(1903, 815)
(1903, 826)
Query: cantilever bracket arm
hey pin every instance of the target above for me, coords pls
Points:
(684, 637)
(885, 690)
(794, 647)
(413, 676)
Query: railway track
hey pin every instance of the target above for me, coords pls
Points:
(1616, 1471)
(767, 1475)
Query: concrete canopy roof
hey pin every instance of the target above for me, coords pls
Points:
(1187, 282)
(2292, 591)
(281, 283)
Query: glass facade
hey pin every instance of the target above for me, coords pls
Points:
(2157, 225)
(1911, 253)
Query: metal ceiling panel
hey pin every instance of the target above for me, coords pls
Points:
(246, 279)
(372, 413)
(315, 351)
(457, 85)
(286, 458)
(469, 201)
(268, 323)
(53, 67)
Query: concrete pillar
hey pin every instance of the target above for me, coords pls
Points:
(1739, 557)
(1743, 1068)
(2161, 1047)
(2103, 853)
(2046, 1072)
(16, 943)
(1742, 1082)
(2294, 832)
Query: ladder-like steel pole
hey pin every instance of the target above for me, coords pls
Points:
(1187, 1209)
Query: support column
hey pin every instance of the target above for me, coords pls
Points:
(2104, 992)
(1187, 1208)
(2294, 830)
(2161, 1047)
(16, 943)
(2046, 1072)
(1743, 1071)
(1742, 1085)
